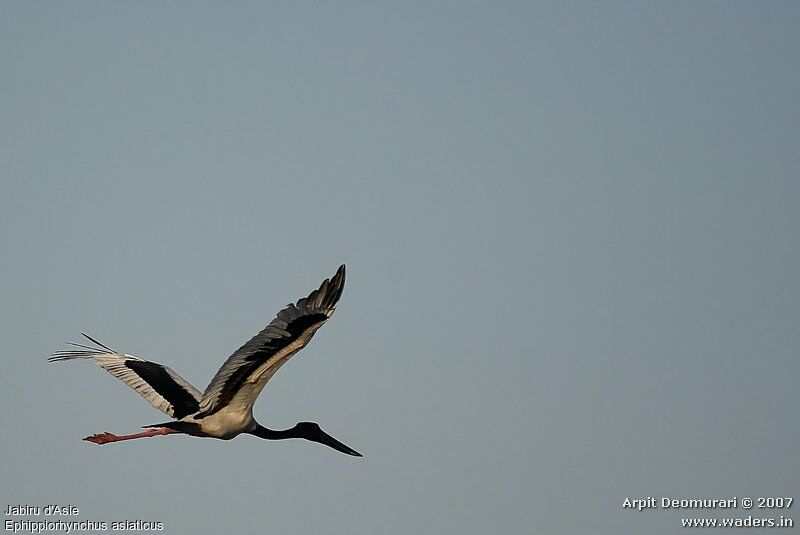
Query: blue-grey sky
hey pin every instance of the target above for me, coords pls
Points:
(570, 232)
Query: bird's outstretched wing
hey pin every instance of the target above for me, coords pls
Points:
(159, 385)
(242, 377)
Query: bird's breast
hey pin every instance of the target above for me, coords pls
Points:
(226, 424)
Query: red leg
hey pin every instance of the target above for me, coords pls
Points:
(105, 438)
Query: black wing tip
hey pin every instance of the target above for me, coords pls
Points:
(98, 343)
(340, 275)
(337, 285)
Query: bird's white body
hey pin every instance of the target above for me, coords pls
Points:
(225, 424)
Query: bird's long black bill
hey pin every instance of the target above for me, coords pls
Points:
(325, 438)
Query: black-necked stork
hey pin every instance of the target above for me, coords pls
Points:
(225, 409)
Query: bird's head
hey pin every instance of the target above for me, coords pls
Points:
(311, 431)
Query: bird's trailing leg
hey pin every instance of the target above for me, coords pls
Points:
(105, 438)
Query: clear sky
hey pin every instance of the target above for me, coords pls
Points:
(570, 231)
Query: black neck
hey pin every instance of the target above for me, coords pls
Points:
(307, 430)
(262, 432)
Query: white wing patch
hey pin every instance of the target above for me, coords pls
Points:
(115, 364)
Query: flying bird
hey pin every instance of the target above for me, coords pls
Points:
(225, 409)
